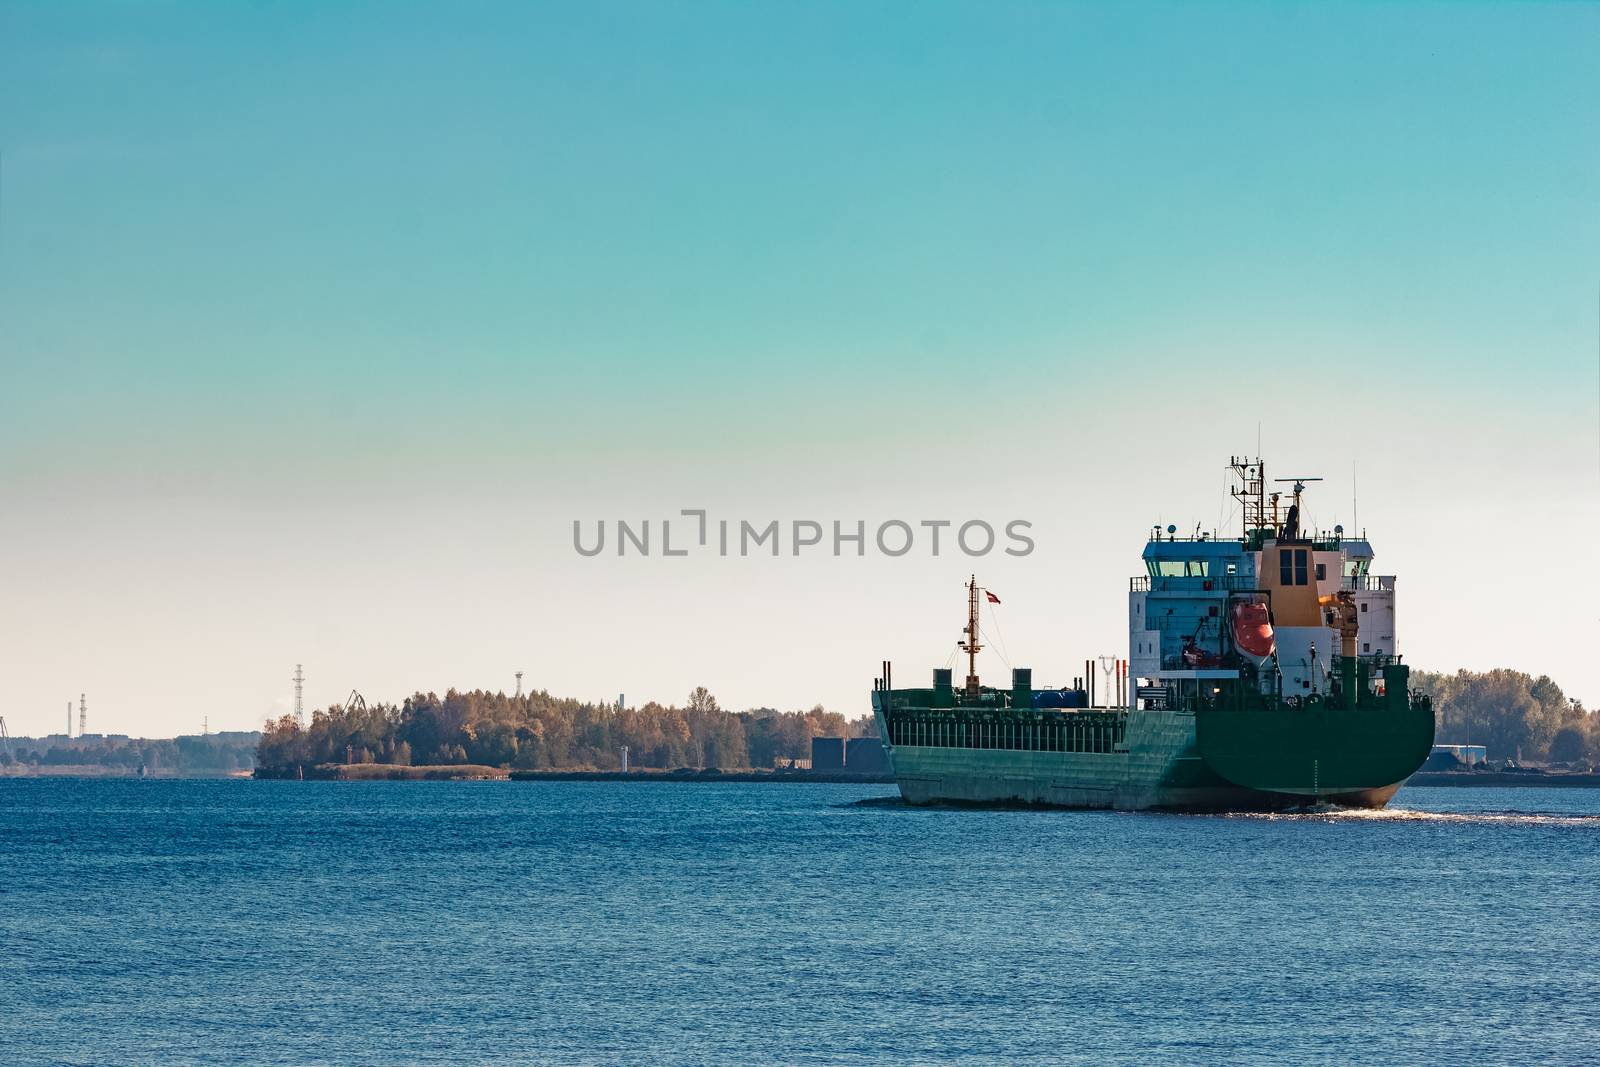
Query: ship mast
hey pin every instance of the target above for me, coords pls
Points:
(970, 646)
(1251, 492)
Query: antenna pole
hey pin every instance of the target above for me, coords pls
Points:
(1261, 484)
(299, 687)
(1355, 513)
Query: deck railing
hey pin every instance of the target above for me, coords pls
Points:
(1226, 583)
(1244, 583)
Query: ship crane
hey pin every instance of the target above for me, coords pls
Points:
(1343, 616)
(1193, 655)
(354, 702)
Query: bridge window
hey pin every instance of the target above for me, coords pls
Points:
(1292, 568)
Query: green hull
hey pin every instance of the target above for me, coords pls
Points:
(1317, 754)
(1271, 758)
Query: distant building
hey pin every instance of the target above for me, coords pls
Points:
(827, 753)
(1468, 754)
(865, 755)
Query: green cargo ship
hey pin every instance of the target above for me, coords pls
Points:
(1261, 675)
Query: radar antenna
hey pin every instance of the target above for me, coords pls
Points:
(1299, 483)
(1291, 526)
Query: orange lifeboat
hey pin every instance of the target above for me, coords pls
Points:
(1252, 630)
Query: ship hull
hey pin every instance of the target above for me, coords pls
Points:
(1159, 767)
(1013, 791)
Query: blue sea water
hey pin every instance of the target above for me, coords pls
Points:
(225, 922)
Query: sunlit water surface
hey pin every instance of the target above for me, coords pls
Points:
(637, 923)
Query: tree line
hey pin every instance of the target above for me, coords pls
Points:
(1513, 714)
(200, 754)
(542, 732)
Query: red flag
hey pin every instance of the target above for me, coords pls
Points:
(992, 598)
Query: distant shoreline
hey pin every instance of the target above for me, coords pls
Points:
(382, 772)
(473, 772)
(97, 770)
(1502, 778)
(775, 777)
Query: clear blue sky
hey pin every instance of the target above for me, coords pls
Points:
(320, 323)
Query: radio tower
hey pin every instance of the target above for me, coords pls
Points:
(299, 688)
(83, 715)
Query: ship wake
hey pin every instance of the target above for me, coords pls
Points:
(1332, 814)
